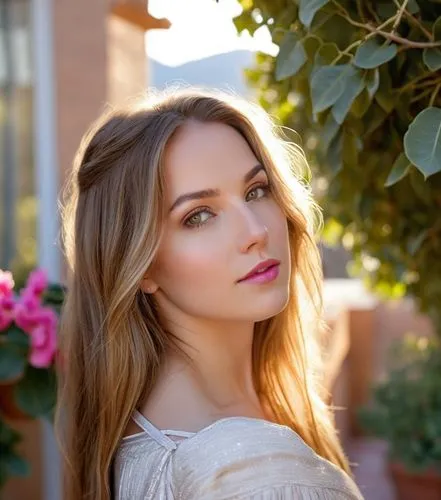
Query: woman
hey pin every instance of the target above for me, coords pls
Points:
(194, 300)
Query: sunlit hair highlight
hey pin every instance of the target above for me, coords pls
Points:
(111, 338)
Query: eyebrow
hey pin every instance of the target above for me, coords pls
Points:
(211, 193)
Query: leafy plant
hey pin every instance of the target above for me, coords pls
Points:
(28, 349)
(361, 82)
(11, 464)
(406, 409)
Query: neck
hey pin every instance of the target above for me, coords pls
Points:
(218, 361)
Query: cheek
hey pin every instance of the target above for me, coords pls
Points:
(279, 225)
(190, 261)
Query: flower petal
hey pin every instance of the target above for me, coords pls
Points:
(41, 358)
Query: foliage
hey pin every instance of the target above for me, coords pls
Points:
(11, 464)
(361, 82)
(407, 406)
(28, 351)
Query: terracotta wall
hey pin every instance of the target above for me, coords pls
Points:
(29, 488)
(371, 331)
(80, 52)
(99, 58)
(392, 321)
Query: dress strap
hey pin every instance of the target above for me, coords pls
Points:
(153, 431)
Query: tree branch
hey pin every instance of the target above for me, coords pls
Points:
(360, 11)
(413, 83)
(405, 41)
(389, 36)
(399, 16)
(433, 96)
(412, 19)
(421, 96)
(372, 12)
(346, 51)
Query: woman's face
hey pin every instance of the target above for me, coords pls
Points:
(222, 221)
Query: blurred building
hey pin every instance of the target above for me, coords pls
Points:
(61, 61)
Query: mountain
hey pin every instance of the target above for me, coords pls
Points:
(223, 71)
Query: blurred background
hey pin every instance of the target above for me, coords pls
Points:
(351, 96)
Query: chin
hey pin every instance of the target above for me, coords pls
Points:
(269, 305)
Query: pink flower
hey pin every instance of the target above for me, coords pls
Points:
(7, 310)
(6, 284)
(36, 283)
(26, 312)
(44, 339)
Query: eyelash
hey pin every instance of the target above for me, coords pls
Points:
(265, 186)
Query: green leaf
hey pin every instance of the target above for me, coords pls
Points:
(326, 54)
(361, 104)
(291, 57)
(412, 6)
(245, 21)
(307, 10)
(436, 30)
(12, 362)
(375, 116)
(371, 54)
(19, 338)
(353, 86)
(329, 131)
(422, 141)
(327, 85)
(350, 149)
(385, 99)
(8, 435)
(421, 188)
(414, 244)
(36, 392)
(311, 44)
(372, 81)
(17, 466)
(335, 154)
(432, 58)
(365, 206)
(324, 57)
(385, 96)
(399, 170)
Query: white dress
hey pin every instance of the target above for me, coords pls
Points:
(233, 458)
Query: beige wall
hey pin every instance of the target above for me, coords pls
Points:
(126, 69)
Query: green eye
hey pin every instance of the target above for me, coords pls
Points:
(197, 219)
(258, 192)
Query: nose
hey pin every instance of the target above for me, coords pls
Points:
(253, 232)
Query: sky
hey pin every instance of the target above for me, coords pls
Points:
(200, 28)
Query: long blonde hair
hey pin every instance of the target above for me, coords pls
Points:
(111, 339)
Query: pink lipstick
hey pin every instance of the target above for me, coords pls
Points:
(264, 272)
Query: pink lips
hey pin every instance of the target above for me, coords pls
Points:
(265, 272)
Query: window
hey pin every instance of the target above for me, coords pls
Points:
(18, 202)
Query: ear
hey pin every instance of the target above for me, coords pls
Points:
(148, 285)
